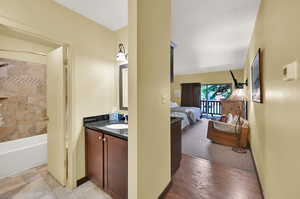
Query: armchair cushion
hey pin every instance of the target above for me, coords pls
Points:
(227, 137)
(230, 127)
(222, 126)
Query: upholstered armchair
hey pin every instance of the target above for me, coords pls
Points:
(234, 107)
(224, 133)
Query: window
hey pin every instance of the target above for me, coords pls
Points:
(211, 95)
(215, 92)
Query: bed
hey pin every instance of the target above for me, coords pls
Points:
(192, 113)
(184, 118)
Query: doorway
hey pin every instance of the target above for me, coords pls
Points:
(29, 49)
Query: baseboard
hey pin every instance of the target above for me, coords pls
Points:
(257, 175)
(82, 181)
(166, 190)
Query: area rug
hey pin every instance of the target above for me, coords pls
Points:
(195, 143)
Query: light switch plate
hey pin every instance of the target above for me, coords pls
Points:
(290, 71)
(165, 99)
(177, 93)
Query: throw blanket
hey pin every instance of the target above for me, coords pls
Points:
(184, 122)
(193, 113)
(222, 126)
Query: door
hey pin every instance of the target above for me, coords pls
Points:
(190, 94)
(94, 156)
(56, 110)
(116, 167)
(186, 95)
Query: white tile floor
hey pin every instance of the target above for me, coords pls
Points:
(36, 183)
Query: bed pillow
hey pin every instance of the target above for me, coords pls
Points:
(173, 105)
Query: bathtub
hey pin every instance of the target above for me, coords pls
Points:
(22, 154)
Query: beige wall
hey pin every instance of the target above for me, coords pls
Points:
(93, 48)
(204, 78)
(275, 123)
(149, 83)
(122, 36)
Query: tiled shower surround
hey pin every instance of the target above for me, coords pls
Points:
(22, 99)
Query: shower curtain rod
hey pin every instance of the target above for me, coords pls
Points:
(23, 51)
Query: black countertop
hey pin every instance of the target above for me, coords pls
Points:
(99, 123)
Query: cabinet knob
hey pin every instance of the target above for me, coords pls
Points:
(100, 138)
(104, 139)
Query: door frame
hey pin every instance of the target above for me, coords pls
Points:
(16, 27)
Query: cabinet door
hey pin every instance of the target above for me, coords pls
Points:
(94, 156)
(175, 146)
(116, 167)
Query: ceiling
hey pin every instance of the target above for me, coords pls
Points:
(112, 14)
(211, 35)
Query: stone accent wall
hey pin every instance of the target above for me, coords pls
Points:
(22, 99)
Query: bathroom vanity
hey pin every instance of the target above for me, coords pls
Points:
(107, 155)
(106, 148)
(175, 144)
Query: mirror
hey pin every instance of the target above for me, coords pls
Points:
(123, 87)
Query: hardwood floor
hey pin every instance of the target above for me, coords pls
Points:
(195, 143)
(200, 179)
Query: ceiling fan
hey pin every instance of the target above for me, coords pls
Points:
(238, 85)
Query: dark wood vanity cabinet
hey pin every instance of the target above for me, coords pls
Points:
(107, 163)
(107, 159)
(94, 157)
(116, 167)
(175, 145)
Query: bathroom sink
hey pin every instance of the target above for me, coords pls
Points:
(117, 126)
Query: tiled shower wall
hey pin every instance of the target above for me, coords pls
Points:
(23, 110)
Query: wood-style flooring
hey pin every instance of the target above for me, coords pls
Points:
(195, 143)
(195, 179)
(200, 179)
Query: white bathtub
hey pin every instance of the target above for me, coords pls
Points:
(22, 154)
